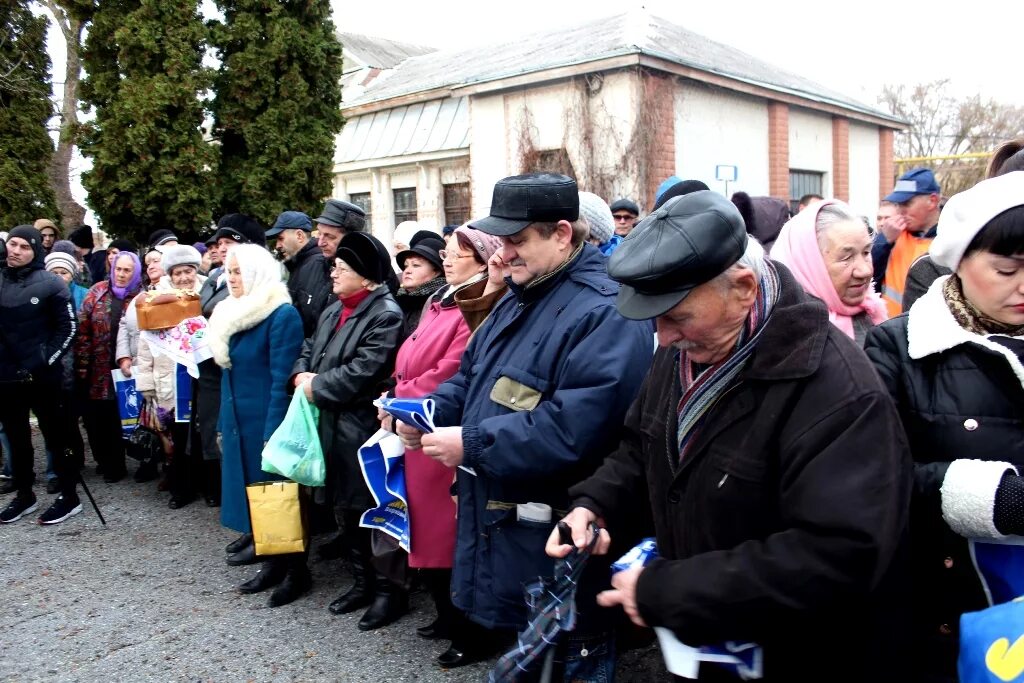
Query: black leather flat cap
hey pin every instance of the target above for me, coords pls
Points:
(342, 214)
(685, 243)
(520, 200)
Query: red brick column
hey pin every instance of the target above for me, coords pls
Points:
(778, 150)
(886, 167)
(841, 158)
(659, 92)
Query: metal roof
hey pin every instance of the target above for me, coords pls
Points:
(631, 33)
(377, 53)
(416, 129)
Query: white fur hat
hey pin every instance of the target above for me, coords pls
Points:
(179, 255)
(967, 213)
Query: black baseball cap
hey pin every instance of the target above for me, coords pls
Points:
(521, 200)
(685, 243)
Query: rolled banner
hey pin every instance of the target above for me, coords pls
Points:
(382, 461)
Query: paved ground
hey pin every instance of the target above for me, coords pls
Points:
(149, 598)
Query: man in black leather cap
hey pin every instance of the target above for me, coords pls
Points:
(769, 452)
(337, 220)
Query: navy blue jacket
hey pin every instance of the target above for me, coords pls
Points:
(541, 395)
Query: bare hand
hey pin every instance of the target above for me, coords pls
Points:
(624, 593)
(444, 445)
(410, 436)
(496, 273)
(302, 378)
(126, 366)
(893, 226)
(307, 389)
(579, 520)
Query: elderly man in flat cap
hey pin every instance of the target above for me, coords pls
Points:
(768, 451)
(536, 404)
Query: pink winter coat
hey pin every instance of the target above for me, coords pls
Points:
(427, 358)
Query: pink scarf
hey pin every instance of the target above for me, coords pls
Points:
(797, 248)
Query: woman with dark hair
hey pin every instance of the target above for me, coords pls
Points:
(98, 322)
(1007, 158)
(342, 369)
(255, 335)
(422, 275)
(426, 359)
(955, 368)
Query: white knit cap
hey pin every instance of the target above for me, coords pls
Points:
(967, 213)
(58, 259)
(599, 217)
(179, 255)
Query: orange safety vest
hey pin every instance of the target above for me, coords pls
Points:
(908, 248)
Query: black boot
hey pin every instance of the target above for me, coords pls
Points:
(361, 593)
(238, 544)
(297, 581)
(389, 603)
(246, 555)
(271, 573)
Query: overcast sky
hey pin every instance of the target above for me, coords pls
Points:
(853, 47)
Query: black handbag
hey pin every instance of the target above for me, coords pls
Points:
(144, 443)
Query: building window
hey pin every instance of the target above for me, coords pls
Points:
(362, 200)
(456, 203)
(405, 205)
(803, 183)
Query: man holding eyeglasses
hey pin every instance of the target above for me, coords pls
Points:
(49, 232)
(625, 212)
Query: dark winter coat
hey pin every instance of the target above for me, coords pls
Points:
(254, 400)
(309, 285)
(207, 394)
(540, 394)
(782, 524)
(353, 366)
(960, 399)
(37, 323)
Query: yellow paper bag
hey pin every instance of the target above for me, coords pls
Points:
(278, 526)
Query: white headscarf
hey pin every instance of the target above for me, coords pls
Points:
(263, 292)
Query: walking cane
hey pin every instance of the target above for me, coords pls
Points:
(88, 493)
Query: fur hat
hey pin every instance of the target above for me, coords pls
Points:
(58, 259)
(360, 252)
(968, 212)
(598, 216)
(180, 255)
(81, 237)
(122, 245)
(240, 228)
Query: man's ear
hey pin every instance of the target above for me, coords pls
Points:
(564, 233)
(744, 286)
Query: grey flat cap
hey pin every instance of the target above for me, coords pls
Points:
(341, 214)
(685, 243)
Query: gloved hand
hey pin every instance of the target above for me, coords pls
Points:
(1009, 506)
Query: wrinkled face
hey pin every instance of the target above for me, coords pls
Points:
(530, 255)
(344, 280)
(417, 272)
(624, 222)
(183, 277)
(49, 237)
(994, 284)
(234, 276)
(63, 273)
(328, 239)
(707, 323)
(224, 245)
(919, 211)
(846, 250)
(19, 252)
(289, 242)
(154, 271)
(459, 263)
(124, 268)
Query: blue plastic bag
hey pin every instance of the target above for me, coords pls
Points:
(294, 449)
(992, 644)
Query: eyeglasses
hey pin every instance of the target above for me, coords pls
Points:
(444, 254)
(623, 216)
(344, 270)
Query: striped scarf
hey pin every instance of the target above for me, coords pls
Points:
(701, 392)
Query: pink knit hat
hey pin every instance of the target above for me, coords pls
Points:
(484, 244)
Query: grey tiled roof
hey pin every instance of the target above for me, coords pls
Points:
(631, 33)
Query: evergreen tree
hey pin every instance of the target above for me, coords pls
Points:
(278, 105)
(152, 167)
(25, 108)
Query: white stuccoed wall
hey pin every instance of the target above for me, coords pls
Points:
(713, 127)
(810, 144)
(488, 156)
(864, 169)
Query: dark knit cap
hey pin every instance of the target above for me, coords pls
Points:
(34, 238)
(122, 245)
(160, 237)
(82, 237)
(361, 251)
(678, 190)
(65, 246)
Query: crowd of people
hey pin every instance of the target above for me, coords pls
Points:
(814, 418)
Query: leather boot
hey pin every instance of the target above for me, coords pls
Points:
(389, 603)
(361, 593)
(246, 555)
(238, 544)
(297, 581)
(271, 573)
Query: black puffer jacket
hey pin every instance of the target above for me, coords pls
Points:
(961, 401)
(353, 366)
(309, 285)
(37, 322)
